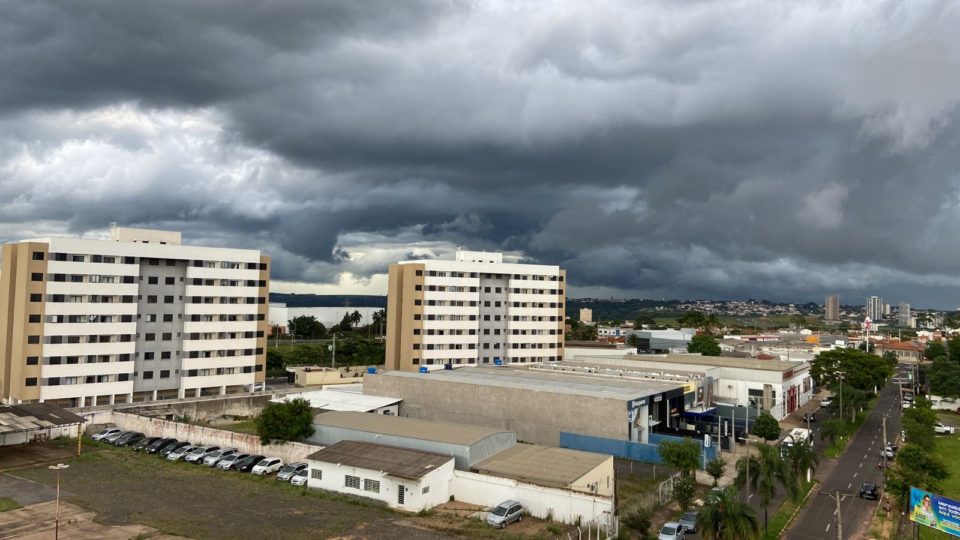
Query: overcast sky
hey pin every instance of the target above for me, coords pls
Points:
(680, 149)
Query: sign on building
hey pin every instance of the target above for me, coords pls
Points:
(935, 511)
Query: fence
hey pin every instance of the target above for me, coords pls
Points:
(562, 505)
(289, 452)
(637, 451)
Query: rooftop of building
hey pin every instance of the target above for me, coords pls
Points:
(543, 465)
(720, 361)
(400, 426)
(33, 416)
(522, 378)
(394, 461)
(332, 400)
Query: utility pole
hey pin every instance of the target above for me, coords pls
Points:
(334, 350)
(884, 453)
(839, 520)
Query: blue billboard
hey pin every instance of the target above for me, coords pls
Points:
(935, 511)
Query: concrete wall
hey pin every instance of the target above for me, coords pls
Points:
(564, 506)
(436, 483)
(537, 417)
(601, 480)
(209, 409)
(22, 437)
(244, 442)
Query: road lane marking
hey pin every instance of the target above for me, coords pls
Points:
(849, 485)
(855, 474)
(828, 528)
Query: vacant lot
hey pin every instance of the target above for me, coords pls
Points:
(948, 449)
(124, 487)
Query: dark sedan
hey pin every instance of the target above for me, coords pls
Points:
(868, 491)
(247, 464)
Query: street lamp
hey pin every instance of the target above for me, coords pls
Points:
(58, 467)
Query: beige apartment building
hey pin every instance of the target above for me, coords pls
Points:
(475, 309)
(137, 317)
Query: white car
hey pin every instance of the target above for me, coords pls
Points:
(179, 453)
(213, 458)
(671, 531)
(825, 402)
(942, 429)
(905, 405)
(267, 466)
(300, 478)
(106, 433)
(289, 471)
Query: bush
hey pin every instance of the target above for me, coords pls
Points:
(287, 421)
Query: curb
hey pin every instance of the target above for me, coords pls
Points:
(803, 503)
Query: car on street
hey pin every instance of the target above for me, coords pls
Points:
(826, 402)
(128, 438)
(286, 473)
(226, 463)
(144, 443)
(158, 444)
(810, 417)
(300, 478)
(671, 531)
(248, 463)
(689, 521)
(213, 458)
(868, 490)
(179, 453)
(104, 433)
(941, 429)
(505, 513)
(171, 447)
(197, 454)
(267, 466)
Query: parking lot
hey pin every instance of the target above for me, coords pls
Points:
(124, 487)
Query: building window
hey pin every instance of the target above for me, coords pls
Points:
(150, 337)
(425, 490)
(30, 381)
(316, 474)
(372, 486)
(33, 340)
(348, 481)
(36, 298)
(168, 317)
(147, 374)
(33, 360)
(153, 280)
(165, 355)
(34, 318)
(36, 276)
(38, 255)
(166, 336)
(148, 355)
(164, 373)
(169, 281)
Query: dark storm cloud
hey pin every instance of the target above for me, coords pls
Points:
(762, 149)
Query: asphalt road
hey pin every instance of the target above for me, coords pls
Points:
(856, 465)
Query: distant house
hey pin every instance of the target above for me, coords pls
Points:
(910, 351)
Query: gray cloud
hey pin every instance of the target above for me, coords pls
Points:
(762, 149)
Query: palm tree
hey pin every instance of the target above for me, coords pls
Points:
(800, 459)
(766, 470)
(726, 517)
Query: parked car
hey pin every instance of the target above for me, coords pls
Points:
(197, 454)
(213, 458)
(130, 437)
(889, 452)
(158, 444)
(144, 443)
(267, 466)
(114, 436)
(248, 463)
(942, 429)
(689, 521)
(179, 453)
(172, 447)
(227, 463)
(286, 473)
(868, 491)
(671, 531)
(826, 402)
(810, 417)
(905, 405)
(106, 432)
(505, 513)
(300, 478)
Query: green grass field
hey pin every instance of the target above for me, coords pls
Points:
(782, 516)
(948, 449)
(6, 503)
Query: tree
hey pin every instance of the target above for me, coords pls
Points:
(633, 341)
(715, 468)
(800, 459)
(684, 490)
(380, 320)
(683, 456)
(935, 349)
(832, 429)
(953, 348)
(286, 421)
(944, 377)
(704, 344)
(860, 370)
(725, 517)
(915, 467)
(643, 320)
(798, 320)
(918, 422)
(766, 426)
(639, 521)
(692, 319)
(763, 472)
(306, 327)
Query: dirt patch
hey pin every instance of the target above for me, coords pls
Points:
(38, 522)
(25, 455)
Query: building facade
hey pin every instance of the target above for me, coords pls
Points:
(875, 308)
(475, 309)
(137, 317)
(903, 315)
(586, 315)
(831, 308)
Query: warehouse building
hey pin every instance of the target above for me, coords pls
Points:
(549, 466)
(537, 404)
(36, 422)
(468, 444)
(334, 400)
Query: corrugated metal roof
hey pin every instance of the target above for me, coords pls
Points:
(30, 416)
(406, 427)
(720, 361)
(543, 465)
(333, 400)
(391, 460)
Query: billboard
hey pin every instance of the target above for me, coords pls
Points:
(934, 511)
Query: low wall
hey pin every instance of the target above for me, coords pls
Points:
(636, 451)
(244, 442)
(563, 505)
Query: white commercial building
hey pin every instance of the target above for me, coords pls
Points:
(476, 309)
(136, 317)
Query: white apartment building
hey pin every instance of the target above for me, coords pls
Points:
(475, 309)
(137, 317)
